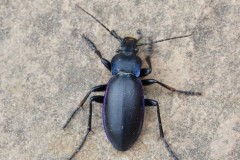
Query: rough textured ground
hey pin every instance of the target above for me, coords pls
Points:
(46, 68)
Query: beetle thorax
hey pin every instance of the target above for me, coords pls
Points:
(122, 63)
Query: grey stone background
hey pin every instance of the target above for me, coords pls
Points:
(46, 68)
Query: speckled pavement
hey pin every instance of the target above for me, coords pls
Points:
(46, 68)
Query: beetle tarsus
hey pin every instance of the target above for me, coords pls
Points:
(151, 102)
(191, 93)
(98, 99)
(169, 149)
(147, 82)
(80, 146)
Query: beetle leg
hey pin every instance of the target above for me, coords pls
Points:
(147, 82)
(105, 62)
(146, 71)
(140, 35)
(150, 102)
(99, 88)
(98, 99)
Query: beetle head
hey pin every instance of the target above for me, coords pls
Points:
(128, 46)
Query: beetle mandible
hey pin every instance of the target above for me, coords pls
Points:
(123, 101)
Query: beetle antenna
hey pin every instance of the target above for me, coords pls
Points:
(112, 32)
(162, 40)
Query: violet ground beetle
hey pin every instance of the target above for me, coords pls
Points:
(123, 102)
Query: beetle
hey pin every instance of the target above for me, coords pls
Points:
(123, 101)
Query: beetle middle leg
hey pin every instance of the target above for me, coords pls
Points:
(150, 102)
(105, 62)
(147, 82)
(99, 88)
(98, 99)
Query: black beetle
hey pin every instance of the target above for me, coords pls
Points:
(123, 102)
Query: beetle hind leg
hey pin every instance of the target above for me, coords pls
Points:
(150, 102)
(98, 88)
(98, 99)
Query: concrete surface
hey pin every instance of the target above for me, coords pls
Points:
(46, 68)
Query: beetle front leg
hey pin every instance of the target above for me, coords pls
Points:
(147, 82)
(99, 88)
(150, 102)
(146, 71)
(140, 35)
(98, 99)
(105, 62)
